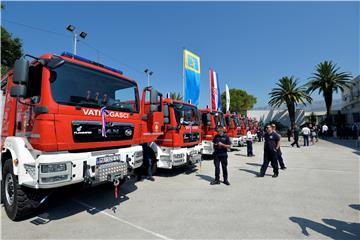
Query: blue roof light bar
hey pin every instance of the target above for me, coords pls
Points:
(67, 54)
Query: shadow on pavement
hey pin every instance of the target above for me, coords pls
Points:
(205, 177)
(254, 164)
(238, 154)
(64, 202)
(331, 228)
(187, 169)
(252, 172)
(355, 206)
(350, 143)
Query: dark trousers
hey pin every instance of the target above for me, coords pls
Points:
(306, 140)
(223, 160)
(289, 139)
(249, 148)
(270, 157)
(280, 159)
(296, 142)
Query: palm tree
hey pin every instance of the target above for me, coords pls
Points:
(288, 92)
(176, 96)
(327, 79)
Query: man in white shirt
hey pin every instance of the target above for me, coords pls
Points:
(324, 130)
(249, 143)
(306, 132)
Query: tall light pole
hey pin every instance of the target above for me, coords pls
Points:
(71, 28)
(148, 73)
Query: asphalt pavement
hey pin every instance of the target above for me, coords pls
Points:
(317, 197)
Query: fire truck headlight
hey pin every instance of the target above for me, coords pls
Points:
(30, 169)
(53, 167)
(165, 158)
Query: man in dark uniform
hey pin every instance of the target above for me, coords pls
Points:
(295, 133)
(279, 153)
(221, 145)
(146, 167)
(271, 146)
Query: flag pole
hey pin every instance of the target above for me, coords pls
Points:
(183, 86)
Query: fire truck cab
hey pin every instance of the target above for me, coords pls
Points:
(233, 129)
(67, 119)
(210, 121)
(181, 128)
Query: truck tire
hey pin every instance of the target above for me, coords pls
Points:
(18, 201)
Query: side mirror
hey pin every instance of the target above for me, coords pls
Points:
(166, 114)
(21, 71)
(18, 91)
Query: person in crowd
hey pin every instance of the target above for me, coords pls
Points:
(317, 130)
(221, 145)
(259, 134)
(355, 131)
(295, 134)
(249, 143)
(324, 131)
(279, 153)
(271, 146)
(312, 133)
(146, 168)
(334, 130)
(305, 132)
(289, 134)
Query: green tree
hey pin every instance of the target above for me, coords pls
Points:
(176, 96)
(288, 92)
(11, 49)
(328, 79)
(240, 101)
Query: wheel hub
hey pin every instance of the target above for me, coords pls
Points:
(9, 189)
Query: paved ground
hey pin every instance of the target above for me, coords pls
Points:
(316, 197)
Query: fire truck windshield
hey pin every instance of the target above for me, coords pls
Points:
(76, 85)
(219, 118)
(186, 114)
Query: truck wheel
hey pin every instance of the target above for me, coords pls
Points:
(18, 201)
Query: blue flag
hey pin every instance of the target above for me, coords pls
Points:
(192, 77)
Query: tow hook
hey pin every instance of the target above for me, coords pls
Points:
(116, 184)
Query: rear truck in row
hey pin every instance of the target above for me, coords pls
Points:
(210, 121)
(178, 146)
(67, 120)
(233, 130)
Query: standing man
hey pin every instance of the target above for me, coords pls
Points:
(279, 153)
(306, 132)
(146, 168)
(295, 133)
(249, 143)
(271, 146)
(221, 145)
(324, 130)
(289, 134)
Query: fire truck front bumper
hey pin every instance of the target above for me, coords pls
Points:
(207, 147)
(52, 170)
(236, 142)
(169, 158)
(193, 155)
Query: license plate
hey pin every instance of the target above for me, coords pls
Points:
(107, 159)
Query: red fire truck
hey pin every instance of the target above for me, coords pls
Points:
(178, 145)
(210, 121)
(233, 129)
(67, 119)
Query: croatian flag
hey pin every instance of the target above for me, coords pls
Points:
(215, 91)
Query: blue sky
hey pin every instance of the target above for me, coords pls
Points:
(250, 44)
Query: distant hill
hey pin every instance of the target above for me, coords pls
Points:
(316, 106)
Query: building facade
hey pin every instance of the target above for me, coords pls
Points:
(351, 102)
